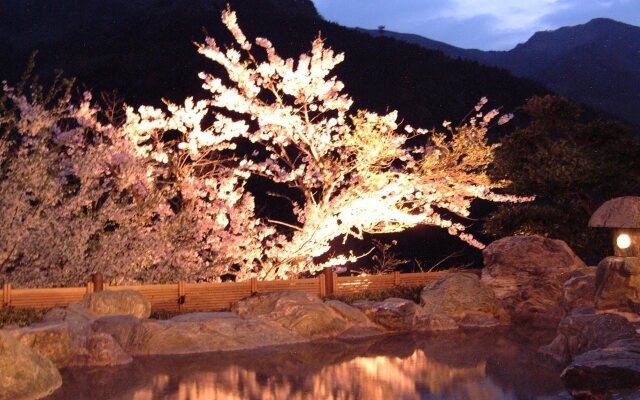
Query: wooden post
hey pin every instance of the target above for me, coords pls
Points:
(323, 285)
(396, 278)
(254, 285)
(89, 287)
(6, 294)
(98, 282)
(182, 297)
(328, 278)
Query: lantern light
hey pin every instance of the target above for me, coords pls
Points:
(623, 241)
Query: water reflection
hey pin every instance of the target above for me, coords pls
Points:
(475, 366)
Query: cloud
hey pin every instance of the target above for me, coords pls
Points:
(508, 15)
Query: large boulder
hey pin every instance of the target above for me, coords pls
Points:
(223, 332)
(527, 274)
(392, 314)
(50, 340)
(603, 371)
(124, 302)
(303, 313)
(618, 284)
(24, 374)
(459, 295)
(579, 333)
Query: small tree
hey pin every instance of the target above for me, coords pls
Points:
(79, 196)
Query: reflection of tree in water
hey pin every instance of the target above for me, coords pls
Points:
(448, 366)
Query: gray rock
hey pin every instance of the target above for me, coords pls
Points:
(621, 212)
(125, 302)
(348, 312)
(434, 323)
(123, 328)
(459, 294)
(392, 314)
(77, 318)
(527, 274)
(603, 371)
(579, 333)
(261, 320)
(100, 350)
(618, 284)
(579, 289)
(24, 374)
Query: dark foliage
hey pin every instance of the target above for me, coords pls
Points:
(403, 292)
(144, 49)
(10, 316)
(597, 63)
(573, 165)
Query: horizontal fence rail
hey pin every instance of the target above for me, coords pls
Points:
(183, 296)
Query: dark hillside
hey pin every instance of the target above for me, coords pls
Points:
(597, 63)
(144, 50)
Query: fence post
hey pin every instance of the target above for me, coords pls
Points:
(323, 285)
(328, 279)
(182, 297)
(396, 278)
(89, 287)
(6, 294)
(254, 285)
(98, 282)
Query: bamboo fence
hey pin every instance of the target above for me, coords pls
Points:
(183, 296)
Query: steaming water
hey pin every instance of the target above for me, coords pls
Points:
(486, 365)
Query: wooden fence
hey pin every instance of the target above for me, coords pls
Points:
(214, 296)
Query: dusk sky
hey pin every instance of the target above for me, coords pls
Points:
(482, 24)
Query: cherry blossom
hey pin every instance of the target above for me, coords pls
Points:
(80, 196)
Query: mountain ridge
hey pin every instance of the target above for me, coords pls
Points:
(597, 63)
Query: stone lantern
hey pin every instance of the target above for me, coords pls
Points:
(618, 277)
(622, 215)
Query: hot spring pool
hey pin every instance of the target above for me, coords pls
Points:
(485, 365)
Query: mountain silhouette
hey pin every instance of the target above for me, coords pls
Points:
(597, 63)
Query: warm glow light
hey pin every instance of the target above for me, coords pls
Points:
(623, 241)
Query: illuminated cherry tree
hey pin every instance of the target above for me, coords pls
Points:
(355, 171)
(161, 195)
